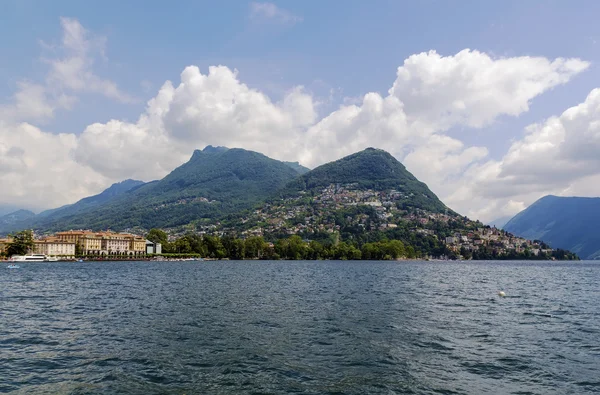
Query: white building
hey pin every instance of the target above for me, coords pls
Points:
(54, 247)
(153, 248)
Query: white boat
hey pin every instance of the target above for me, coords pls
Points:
(13, 266)
(33, 258)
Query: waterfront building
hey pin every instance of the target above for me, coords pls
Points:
(153, 248)
(54, 247)
(105, 243)
(90, 244)
(137, 245)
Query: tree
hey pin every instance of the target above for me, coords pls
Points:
(255, 247)
(22, 243)
(157, 236)
(234, 247)
(78, 250)
(214, 247)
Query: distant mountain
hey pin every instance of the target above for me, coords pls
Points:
(298, 167)
(87, 203)
(41, 220)
(15, 217)
(215, 182)
(373, 169)
(499, 222)
(7, 209)
(563, 222)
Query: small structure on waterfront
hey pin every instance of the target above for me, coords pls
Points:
(153, 248)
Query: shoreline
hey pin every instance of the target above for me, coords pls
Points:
(81, 260)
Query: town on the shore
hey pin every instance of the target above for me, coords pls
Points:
(482, 243)
(86, 243)
(341, 221)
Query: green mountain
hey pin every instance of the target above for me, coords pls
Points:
(563, 222)
(215, 182)
(84, 204)
(372, 169)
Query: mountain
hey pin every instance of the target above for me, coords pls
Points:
(563, 222)
(215, 182)
(372, 169)
(29, 220)
(87, 203)
(294, 165)
(500, 222)
(7, 209)
(15, 217)
(298, 167)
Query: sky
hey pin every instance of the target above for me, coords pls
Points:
(493, 104)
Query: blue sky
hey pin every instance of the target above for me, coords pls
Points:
(338, 51)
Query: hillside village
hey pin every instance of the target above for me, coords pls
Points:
(341, 208)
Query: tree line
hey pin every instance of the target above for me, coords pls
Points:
(293, 247)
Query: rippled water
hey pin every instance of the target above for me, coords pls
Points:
(300, 327)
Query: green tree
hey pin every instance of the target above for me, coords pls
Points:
(157, 236)
(235, 248)
(255, 247)
(296, 248)
(22, 243)
(214, 247)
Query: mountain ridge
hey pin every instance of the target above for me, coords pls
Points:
(371, 168)
(563, 222)
(214, 180)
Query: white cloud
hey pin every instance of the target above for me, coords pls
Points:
(74, 69)
(37, 170)
(558, 156)
(430, 94)
(472, 88)
(29, 102)
(71, 72)
(213, 108)
(270, 12)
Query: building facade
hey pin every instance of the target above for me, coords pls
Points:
(54, 247)
(105, 243)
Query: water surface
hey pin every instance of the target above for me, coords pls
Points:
(300, 327)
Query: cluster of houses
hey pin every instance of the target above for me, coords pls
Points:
(498, 239)
(290, 216)
(88, 243)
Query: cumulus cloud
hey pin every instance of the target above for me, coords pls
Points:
(472, 88)
(270, 12)
(558, 156)
(430, 94)
(37, 170)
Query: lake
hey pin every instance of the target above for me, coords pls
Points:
(324, 327)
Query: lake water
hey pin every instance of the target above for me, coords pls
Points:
(300, 327)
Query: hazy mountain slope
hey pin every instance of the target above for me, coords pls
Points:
(15, 217)
(564, 222)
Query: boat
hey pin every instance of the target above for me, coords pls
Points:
(33, 258)
(13, 266)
